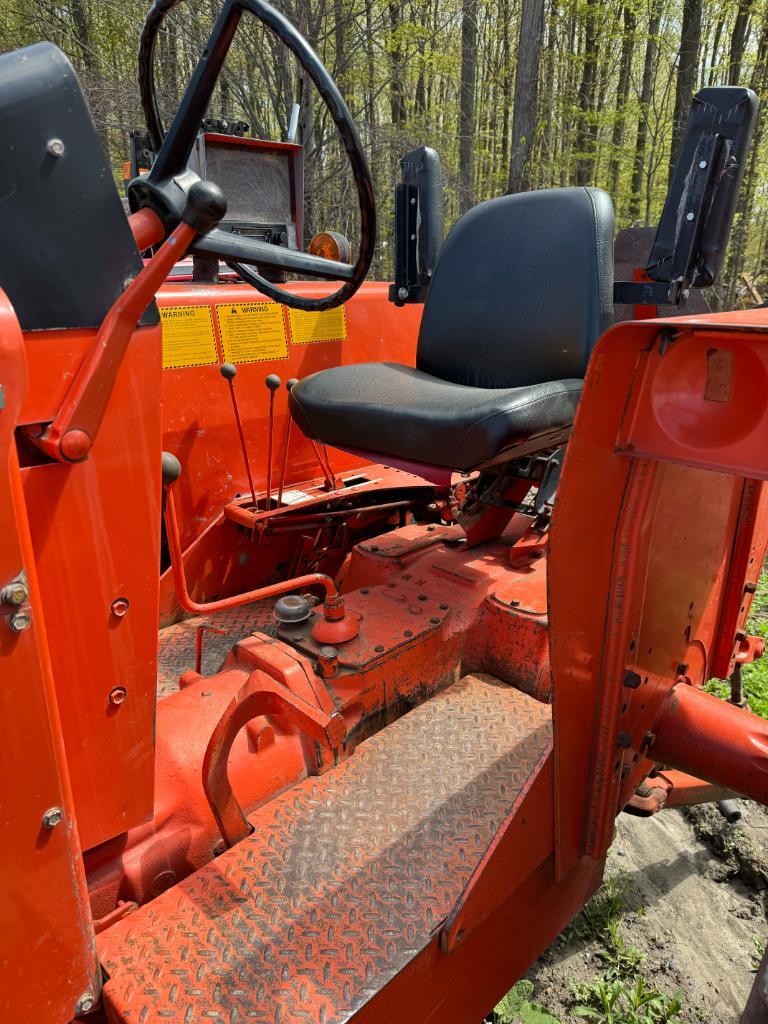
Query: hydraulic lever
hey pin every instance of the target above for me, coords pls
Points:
(229, 371)
(273, 383)
(70, 437)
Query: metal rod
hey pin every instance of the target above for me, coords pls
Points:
(330, 482)
(180, 580)
(229, 371)
(273, 383)
(284, 468)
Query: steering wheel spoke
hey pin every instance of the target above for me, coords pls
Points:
(234, 248)
(163, 188)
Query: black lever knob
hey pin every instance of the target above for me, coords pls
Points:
(205, 207)
(273, 382)
(290, 384)
(228, 371)
(171, 469)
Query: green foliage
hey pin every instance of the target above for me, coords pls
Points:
(601, 916)
(378, 50)
(516, 1008)
(619, 1002)
(754, 677)
(622, 961)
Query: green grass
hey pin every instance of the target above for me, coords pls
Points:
(516, 1008)
(620, 1002)
(619, 995)
(754, 677)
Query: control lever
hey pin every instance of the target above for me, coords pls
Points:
(273, 382)
(70, 437)
(284, 468)
(229, 371)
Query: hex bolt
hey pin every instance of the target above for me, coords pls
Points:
(55, 147)
(632, 680)
(443, 607)
(16, 592)
(690, 215)
(53, 817)
(435, 621)
(85, 1003)
(117, 695)
(408, 632)
(624, 740)
(750, 588)
(402, 293)
(120, 607)
(702, 165)
(20, 621)
(379, 648)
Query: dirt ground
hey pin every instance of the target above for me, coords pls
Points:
(695, 905)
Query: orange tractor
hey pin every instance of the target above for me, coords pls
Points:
(324, 678)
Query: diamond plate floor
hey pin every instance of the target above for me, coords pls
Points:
(345, 878)
(176, 644)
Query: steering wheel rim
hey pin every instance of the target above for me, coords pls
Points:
(164, 187)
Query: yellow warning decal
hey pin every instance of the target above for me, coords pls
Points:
(330, 325)
(252, 332)
(188, 338)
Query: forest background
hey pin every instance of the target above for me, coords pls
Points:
(513, 94)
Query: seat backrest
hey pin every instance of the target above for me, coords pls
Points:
(67, 248)
(522, 290)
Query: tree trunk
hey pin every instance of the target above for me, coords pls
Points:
(715, 47)
(396, 88)
(525, 111)
(467, 102)
(622, 92)
(638, 171)
(687, 67)
(585, 134)
(739, 37)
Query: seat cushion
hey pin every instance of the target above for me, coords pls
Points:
(389, 409)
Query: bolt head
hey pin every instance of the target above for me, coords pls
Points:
(53, 817)
(702, 164)
(117, 696)
(120, 606)
(15, 593)
(20, 621)
(690, 215)
(85, 1003)
(402, 293)
(55, 147)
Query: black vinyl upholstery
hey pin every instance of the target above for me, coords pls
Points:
(522, 291)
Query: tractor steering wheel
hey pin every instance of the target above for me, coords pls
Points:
(164, 188)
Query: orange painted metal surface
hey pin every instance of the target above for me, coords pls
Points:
(414, 575)
(198, 425)
(95, 535)
(342, 885)
(47, 952)
(631, 614)
(713, 739)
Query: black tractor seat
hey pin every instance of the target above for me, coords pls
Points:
(522, 291)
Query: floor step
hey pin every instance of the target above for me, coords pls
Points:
(345, 878)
